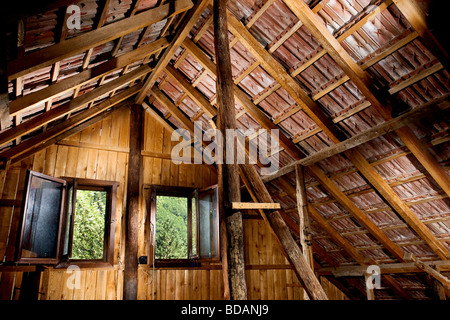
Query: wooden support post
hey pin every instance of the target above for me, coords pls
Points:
(302, 207)
(304, 225)
(229, 184)
(278, 226)
(132, 214)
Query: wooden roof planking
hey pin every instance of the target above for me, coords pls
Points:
(348, 67)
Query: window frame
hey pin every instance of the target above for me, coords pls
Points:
(62, 260)
(189, 193)
(109, 238)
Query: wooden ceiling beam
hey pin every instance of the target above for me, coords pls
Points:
(363, 81)
(283, 78)
(195, 95)
(173, 109)
(389, 268)
(362, 218)
(65, 49)
(28, 101)
(73, 105)
(345, 244)
(418, 20)
(441, 103)
(398, 205)
(189, 21)
(58, 132)
(323, 179)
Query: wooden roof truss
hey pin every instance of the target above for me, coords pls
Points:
(143, 72)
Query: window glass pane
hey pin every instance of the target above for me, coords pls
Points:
(89, 225)
(171, 228)
(40, 232)
(208, 232)
(194, 228)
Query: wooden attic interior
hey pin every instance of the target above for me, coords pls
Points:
(357, 88)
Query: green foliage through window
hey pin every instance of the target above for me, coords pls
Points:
(171, 227)
(89, 225)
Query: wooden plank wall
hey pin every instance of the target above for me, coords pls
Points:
(101, 152)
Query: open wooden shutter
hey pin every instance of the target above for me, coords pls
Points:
(207, 206)
(42, 220)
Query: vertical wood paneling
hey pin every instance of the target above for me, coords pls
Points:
(75, 160)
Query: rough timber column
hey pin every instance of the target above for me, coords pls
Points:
(132, 213)
(229, 184)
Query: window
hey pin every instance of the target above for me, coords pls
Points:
(67, 220)
(185, 224)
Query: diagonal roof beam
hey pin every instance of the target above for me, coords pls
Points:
(195, 95)
(357, 213)
(346, 245)
(65, 49)
(279, 74)
(397, 203)
(363, 81)
(71, 106)
(287, 143)
(366, 136)
(189, 22)
(30, 100)
(64, 129)
(418, 20)
(173, 109)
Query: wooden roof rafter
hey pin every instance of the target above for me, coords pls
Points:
(72, 105)
(343, 199)
(179, 37)
(266, 123)
(86, 41)
(279, 74)
(265, 120)
(362, 80)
